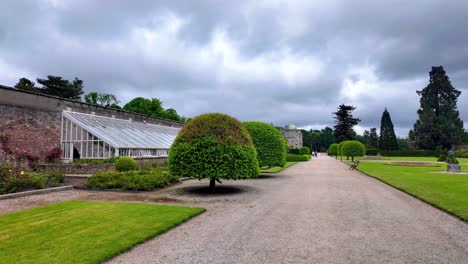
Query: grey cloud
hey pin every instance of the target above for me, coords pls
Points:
(398, 40)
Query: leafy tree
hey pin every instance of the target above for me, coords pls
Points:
(344, 123)
(101, 99)
(26, 85)
(153, 108)
(439, 122)
(333, 150)
(57, 86)
(318, 139)
(213, 146)
(388, 139)
(269, 143)
(353, 148)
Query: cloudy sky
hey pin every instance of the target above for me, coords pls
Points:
(285, 62)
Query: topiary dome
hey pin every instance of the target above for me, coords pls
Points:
(269, 143)
(214, 146)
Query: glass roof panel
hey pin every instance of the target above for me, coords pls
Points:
(122, 133)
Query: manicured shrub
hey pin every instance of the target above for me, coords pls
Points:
(132, 180)
(353, 148)
(340, 149)
(125, 164)
(442, 158)
(22, 181)
(269, 144)
(304, 150)
(293, 151)
(213, 146)
(333, 150)
(54, 177)
(297, 158)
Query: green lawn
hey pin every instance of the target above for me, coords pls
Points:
(277, 169)
(83, 232)
(446, 191)
(429, 159)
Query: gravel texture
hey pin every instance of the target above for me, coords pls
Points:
(313, 212)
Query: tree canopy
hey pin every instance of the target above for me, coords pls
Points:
(344, 123)
(102, 99)
(318, 140)
(26, 85)
(153, 108)
(439, 122)
(57, 86)
(269, 143)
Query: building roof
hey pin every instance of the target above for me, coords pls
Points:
(121, 133)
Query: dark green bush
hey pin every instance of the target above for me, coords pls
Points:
(131, 180)
(111, 160)
(304, 151)
(353, 148)
(125, 164)
(54, 177)
(293, 151)
(214, 146)
(297, 158)
(333, 150)
(21, 182)
(442, 158)
(269, 144)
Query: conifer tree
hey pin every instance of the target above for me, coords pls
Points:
(344, 123)
(439, 122)
(388, 139)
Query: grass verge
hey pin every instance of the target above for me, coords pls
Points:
(82, 231)
(445, 191)
(278, 169)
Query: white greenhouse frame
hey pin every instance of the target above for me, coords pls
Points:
(99, 137)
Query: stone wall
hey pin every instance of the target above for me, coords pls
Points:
(32, 121)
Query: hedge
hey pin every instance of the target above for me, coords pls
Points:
(297, 158)
(269, 144)
(401, 153)
(461, 153)
(214, 146)
(125, 164)
(304, 150)
(333, 150)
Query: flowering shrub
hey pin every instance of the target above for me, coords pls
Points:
(22, 154)
(53, 154)
(16, 180)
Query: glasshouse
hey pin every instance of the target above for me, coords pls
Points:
(89, 136)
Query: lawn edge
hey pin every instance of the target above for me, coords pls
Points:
(282, 168)
(414, 196)
(152, 236)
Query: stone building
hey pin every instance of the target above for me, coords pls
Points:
(293, 136)
(36, 122)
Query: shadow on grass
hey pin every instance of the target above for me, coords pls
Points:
(221, 190)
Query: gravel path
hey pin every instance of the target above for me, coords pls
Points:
(313, 212)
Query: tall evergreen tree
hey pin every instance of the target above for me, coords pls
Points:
(439, 122)
(57, 86)
(373, 138)
(344, 123)
(26, 85)
(388, 139)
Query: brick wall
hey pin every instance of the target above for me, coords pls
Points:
(29, 128)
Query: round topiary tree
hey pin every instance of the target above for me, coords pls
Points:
(304, 150)
(339, 149)
(269, 144)
(213, 146)
(353, 148)
(333, 150)
(125, 164)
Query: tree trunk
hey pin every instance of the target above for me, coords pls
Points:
(213, 185)
(352, 158)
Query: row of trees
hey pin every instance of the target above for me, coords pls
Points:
(57, 86)
(438, 125)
